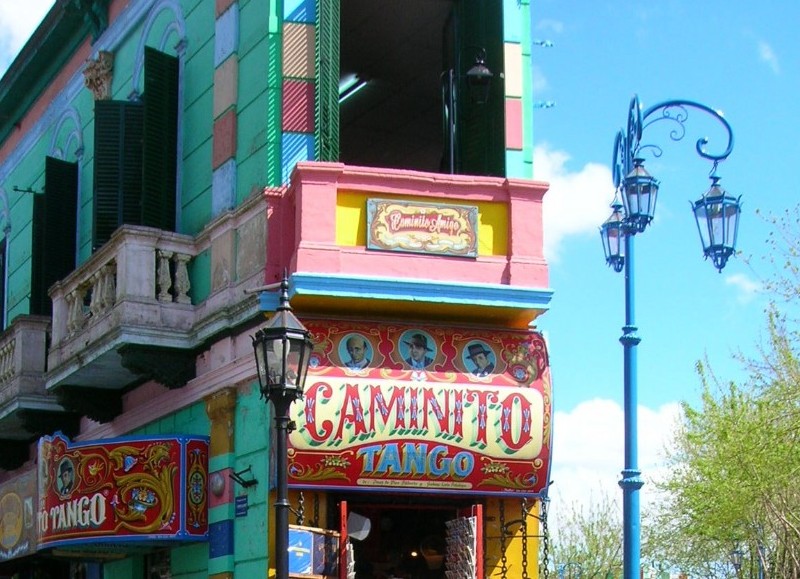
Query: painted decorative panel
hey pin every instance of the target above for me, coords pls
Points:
(390, 407)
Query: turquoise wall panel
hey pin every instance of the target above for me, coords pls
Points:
(250, 532)
(197, 125)
(253, 79)
(517, 165)
(253, 568)
(512, 21)
(190, 561)
(132, 567)
(196, 198)
(200, 272)
(253, 28)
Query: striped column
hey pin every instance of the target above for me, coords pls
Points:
(298, 85)
(221, 411)
(518, 88)
(226, 82)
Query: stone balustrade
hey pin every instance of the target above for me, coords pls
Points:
(140, 265)
(22, 359)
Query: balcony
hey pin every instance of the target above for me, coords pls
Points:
(319, 228)
(27, 410)
(130, 314)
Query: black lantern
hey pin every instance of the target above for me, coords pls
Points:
(282, 349)
(640, 191)
(479, 79)
(717, 215)
(612, 232)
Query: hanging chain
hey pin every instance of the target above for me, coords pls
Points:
(524, 528)
(301, 509)
(544, 567)
(503, 556)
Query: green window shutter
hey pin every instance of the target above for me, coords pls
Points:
(327, 79)
(159, 168)
(54, 229)
(480, 127)
(118, 129)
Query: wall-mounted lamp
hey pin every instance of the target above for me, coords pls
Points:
(479, 79)
(245, 482)
(479, 83)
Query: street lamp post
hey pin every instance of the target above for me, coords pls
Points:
(282, 350)
(717, 216)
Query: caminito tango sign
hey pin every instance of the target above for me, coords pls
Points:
(399, 407)
(125, 489)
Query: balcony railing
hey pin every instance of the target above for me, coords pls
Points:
(127, 282)
(22, 365)
(134, 297)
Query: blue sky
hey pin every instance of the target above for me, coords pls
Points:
(736, 56)
(739, 57)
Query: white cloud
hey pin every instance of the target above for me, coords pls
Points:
(588, 453)
(550, 25)
(17, 23)
(768, 55)
(748, 288)
(540, 83)
(577, 202)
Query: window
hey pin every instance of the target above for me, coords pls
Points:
(135, 160)
(54, 230)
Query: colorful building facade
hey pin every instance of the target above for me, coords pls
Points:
(161, 161)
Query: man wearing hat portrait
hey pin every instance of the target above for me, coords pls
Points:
(418, 350)
(66, 477)
(479, 355)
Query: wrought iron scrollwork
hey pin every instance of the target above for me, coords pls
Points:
(628, 144)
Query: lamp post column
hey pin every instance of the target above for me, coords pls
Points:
(281, 405)
(631, 475)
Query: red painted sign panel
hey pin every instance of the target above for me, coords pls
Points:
(125, 489)
(391, 407)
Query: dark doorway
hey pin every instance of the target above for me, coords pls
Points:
(407, 537)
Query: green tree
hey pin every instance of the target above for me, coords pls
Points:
(734, 479)
(587, 542)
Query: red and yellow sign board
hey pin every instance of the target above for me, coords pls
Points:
(17, 519)
(391, 407)
(442, 229)
(125, 489)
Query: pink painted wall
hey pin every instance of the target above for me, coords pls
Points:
(302, 226)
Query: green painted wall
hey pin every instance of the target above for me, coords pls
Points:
(250, 532)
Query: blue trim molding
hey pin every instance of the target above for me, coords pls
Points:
(418, 291)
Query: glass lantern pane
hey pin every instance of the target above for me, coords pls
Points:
(613, 241)
(275, 360)
(731, 224)
(703, 225)
(261, 367)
